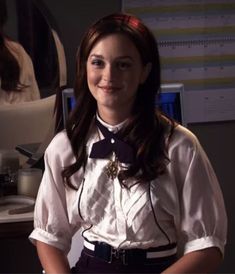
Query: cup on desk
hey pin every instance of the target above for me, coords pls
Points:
(28, 182)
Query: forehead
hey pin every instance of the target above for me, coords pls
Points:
(115, 44)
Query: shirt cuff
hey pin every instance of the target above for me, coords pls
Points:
(41, 235)
(202, 243)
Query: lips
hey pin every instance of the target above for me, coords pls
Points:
(109, 88)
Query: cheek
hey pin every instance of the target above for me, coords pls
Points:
(132, 81)
(92, 78)
(135, 76)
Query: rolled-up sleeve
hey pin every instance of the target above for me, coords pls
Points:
(203, 221)
(53, 224)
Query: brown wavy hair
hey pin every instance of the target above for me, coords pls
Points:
(9, 66)
(146, 129)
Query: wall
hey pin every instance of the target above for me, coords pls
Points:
(73, 18)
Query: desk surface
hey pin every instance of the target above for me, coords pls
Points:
(16, 208)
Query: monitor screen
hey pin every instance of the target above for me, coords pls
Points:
(68, 102)
(169, 101)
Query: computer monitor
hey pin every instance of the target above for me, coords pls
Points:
(68, 102)
(170, 101)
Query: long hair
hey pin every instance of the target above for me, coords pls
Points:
(145, 130)
(9, 66)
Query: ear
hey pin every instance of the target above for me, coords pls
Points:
(145, 73)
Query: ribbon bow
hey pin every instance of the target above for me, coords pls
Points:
(111, 143)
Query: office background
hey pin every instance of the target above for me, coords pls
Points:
(72, 18)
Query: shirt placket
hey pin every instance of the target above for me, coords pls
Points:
(120, 217)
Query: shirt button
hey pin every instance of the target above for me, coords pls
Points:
(112, 141)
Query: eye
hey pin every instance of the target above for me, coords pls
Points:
(123, 65)
(97, 63)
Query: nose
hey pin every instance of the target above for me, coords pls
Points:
(109, 73)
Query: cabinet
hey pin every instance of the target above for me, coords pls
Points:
(17, 253)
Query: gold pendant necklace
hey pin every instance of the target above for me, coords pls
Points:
(111, 170)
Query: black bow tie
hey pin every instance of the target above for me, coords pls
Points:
(112, 143)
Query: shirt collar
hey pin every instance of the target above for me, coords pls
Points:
(112, 128)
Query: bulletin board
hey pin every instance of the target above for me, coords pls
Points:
(196, 41)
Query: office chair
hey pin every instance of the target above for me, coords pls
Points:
(27, 122)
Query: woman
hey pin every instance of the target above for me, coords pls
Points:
(136, 183)
(17, 79)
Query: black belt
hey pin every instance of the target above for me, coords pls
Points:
(130, 256)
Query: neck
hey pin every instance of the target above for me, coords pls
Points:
(112, 117)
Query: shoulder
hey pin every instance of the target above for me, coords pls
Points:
(18, 51)
(59, 143)
(184, 135)
(15, 47)
(184, 141)
(177, 135)
(60, 139)
(60, 148)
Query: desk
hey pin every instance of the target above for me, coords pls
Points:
(17, 254)
(15, 229)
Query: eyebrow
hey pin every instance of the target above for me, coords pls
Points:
(119, 57)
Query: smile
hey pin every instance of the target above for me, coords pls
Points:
(109, 88)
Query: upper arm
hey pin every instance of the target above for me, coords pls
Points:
(55, 219)
(203, 220)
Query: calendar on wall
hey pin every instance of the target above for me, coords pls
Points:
(196, 41)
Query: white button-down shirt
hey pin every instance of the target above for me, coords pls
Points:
(187, 201)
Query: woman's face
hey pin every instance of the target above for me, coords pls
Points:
(114, 72)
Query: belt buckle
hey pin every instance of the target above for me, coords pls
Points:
(104, 252)
(108, 253)
(118, 254)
